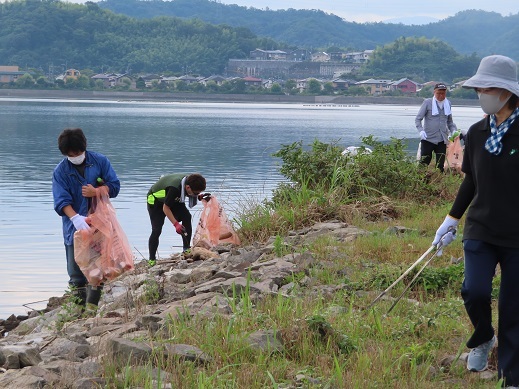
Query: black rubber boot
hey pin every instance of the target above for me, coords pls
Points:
(94, 294)
(78, 294)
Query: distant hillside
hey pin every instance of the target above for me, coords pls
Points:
(467, 32)
(46, 35)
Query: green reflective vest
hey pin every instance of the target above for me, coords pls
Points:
(158, 190)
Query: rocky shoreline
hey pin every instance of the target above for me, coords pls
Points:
(63, 348)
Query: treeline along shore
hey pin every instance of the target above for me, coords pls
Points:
(219, 98)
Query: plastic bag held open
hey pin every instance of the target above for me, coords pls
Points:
(214, 226)
(454, 156)
(102, 253)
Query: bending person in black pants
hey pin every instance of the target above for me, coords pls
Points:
(166, 198)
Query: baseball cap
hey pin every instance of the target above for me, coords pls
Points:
(440, 85)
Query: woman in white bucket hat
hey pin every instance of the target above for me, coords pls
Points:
(491, 233)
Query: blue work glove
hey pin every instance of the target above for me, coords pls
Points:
(446, 233)
(79, 222)
(423, 135)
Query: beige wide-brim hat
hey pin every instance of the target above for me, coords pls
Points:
(495, 71)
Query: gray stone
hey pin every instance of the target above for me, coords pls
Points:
(187, 352)
(267, 341)
(126, 351)
(179, 276)
(26, 355)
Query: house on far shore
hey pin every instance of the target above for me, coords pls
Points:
(253, 81)
(374, 87)
(10, 74)
(217, 79)
(341, 84)
(109, 79)
(70, 74)
(404, 85)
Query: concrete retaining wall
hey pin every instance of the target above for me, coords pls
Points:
(207, 97)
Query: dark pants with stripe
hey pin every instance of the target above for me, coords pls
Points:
(157, 217)
(481, 260)
(426, 152)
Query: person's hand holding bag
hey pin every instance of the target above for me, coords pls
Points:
(204, 196)
(80, 222)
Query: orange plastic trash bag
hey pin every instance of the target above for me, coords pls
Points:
(214, 226)
(454, 155)
(102, 253)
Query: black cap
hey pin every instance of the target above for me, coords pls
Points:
(441, 85)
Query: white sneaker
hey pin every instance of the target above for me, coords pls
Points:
(478, 356)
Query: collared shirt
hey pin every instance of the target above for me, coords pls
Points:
(490, 188)
(437, 127)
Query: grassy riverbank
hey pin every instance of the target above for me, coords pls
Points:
(331, 338)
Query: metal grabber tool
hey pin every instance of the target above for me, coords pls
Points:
(436, 248)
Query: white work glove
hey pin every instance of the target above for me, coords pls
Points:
(80, 222)
(446, 233)
(423, 135)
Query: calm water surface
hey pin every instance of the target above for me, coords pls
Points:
(230, 144)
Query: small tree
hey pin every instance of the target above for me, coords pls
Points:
(314, 86)
(290, 87)
(25, 81)
(276, 89)
(212, 86)
(140, 84)
(356, 91)
(328, 88)
(181, 85)
(83, 82)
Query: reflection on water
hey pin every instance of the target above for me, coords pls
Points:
(230, 144)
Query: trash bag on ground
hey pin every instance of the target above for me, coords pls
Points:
(454, 155)
(214, 226)
(103, 252)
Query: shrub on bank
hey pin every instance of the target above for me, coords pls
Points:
(324, 184)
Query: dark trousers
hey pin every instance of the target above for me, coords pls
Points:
(481, 260)
(157, 217)
(76, 277)
(426, 152)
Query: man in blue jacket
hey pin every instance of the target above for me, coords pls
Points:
(75, 180)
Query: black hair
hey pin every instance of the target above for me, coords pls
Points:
(72, 140)
(513, 101)
(196, 182)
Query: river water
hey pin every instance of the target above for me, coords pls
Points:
(230, 144)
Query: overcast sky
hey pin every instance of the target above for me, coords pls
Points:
(381, 10)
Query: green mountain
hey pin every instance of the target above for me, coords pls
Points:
(467, 32)
(43, 34)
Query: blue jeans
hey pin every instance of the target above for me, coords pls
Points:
(481, 260)
(76, 276)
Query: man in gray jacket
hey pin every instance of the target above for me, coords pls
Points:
(437, 125)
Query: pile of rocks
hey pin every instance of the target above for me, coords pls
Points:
(59, 347)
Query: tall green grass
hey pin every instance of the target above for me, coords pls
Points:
(331, 339)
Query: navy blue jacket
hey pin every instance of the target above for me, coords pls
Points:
(67, 183)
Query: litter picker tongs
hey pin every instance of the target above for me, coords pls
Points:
(435, 249)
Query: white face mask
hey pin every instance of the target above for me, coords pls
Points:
(490, 104)
(77, 160)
